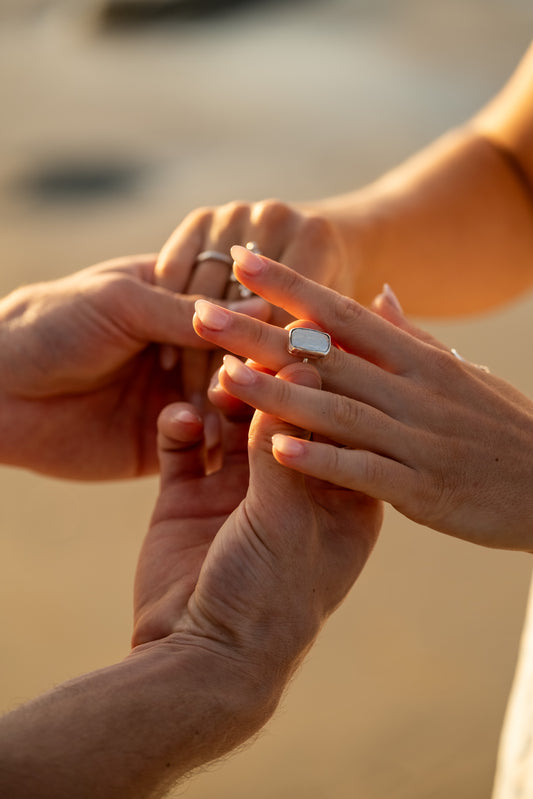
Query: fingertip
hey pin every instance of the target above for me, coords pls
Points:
(287, 447)
(237, 371)
(387, 305)
(179, 424)
(247, 261)
(391, 298)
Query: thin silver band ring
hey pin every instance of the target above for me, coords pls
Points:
(214, 255)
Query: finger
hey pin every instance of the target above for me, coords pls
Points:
(170, 355)
(180, 443)
(354, 327)
(139, 266)
(358, 470)
(304, 242)
(178, 254)
(174, 265)
(153, 314)
(388, 307)
(333, 416)
(211, 276)
(230, 407)
(197, 367)
(341, 372)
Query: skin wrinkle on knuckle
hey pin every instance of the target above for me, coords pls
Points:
(345, 415)
(346, 312)
(369, 468)
(284, 395)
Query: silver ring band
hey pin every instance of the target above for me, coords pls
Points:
(214, 255)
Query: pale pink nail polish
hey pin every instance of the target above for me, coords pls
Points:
(389, 295)
(239, 373)
(212, 316)
(285, 445)
(246, 260)
(188, 417)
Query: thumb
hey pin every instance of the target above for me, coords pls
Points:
(180, 442)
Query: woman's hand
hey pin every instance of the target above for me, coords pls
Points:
(304, 241)
(442, 440)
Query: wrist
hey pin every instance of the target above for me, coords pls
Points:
(228, 698)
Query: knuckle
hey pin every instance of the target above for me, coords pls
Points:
(370, 468)
(346, 312)
(318, 230)
(443, 365)
(234, 211)
(271, 213)
(345, 413)
(199, 216)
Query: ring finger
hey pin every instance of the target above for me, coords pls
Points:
(267, 345)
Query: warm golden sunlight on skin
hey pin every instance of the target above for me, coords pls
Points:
(184, 137)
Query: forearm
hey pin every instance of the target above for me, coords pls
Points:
(130, 730)
(451, 229)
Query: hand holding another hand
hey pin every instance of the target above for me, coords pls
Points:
(248, 573)
(447, 444)
(81, 384)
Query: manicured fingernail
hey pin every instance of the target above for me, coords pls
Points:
(249, 263)
(285, 445)
(391, 297)
(214, 383)
(238, 372)
(212, 316)
(187, 417)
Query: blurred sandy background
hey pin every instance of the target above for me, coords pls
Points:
(404, 695)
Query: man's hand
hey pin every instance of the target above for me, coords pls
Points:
(252, 587)
(81, 384)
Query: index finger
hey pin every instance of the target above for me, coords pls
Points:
(354, 328)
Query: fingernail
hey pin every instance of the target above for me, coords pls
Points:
(389, 295)
(285, 445)
(246, 260)
(188, 417)
(238, 372)
(214, 383)
(212, 316)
